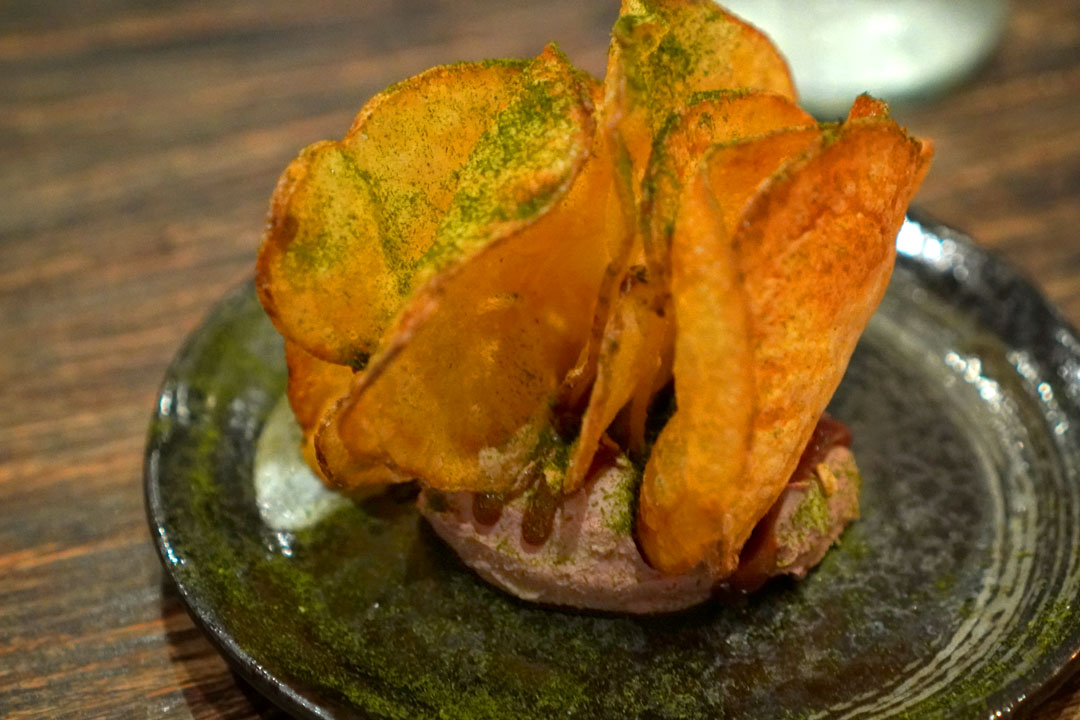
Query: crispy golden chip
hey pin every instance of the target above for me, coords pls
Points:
(314, 386)
(351, 220)
(313, 390)
(515, 276)
(677, 530)
(622, 368)
(709, 118)
(815, 247)
(663, 51)
(633, 349)
(343, 470)
(520, 168)
(680, 511)
(520, 306)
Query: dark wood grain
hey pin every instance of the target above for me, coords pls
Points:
(139, 142)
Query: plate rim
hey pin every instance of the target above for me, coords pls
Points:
(240, 661)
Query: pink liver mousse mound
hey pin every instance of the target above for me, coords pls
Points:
(590, 559)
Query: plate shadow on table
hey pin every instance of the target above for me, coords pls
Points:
(210, 688)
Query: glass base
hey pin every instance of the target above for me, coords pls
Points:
(893, 49)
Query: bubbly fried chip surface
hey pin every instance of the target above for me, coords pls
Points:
(350, 220)
(663, 51)
(523, 296)
(703, 447)
(816, 246)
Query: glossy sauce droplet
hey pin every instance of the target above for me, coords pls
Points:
(539, 518)
(487, 508)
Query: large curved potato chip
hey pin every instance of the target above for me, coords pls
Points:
(703, 446)
(520, 306)
(519, 280)
(834, 215)
(678, 529)
(351, 220)
(520, 168)
(624, 362)
(815, 247)
(314, 389)
(663, 51)
(633, 349)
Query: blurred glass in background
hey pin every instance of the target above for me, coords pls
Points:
(897, 50)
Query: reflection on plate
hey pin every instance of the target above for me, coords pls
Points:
(956, 594)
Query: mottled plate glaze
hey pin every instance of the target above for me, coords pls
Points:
(955, 596)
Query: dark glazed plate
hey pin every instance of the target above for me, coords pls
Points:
(957, 595)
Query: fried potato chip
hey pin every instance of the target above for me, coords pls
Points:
(314, 386)
(634, 349)
(830, 214)
(520, 305)
(351, 220)
(833, 215)
(709, 118)
(313, 390)
(520, 168)
(632, 327)
(343, 470)
(703, 446)
(708, 401)
(519, 279)
(663, 51)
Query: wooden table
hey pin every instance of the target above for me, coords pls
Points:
(139, 142)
